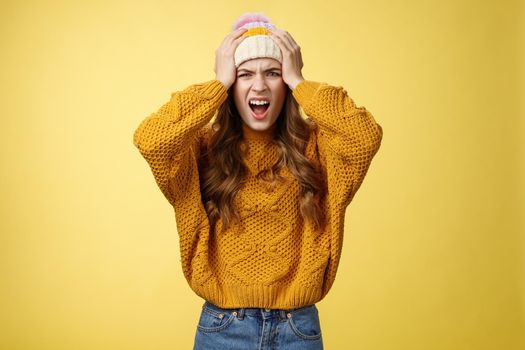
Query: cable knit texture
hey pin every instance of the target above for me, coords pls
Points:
(273, 258)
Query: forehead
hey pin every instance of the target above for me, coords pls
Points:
(260, 64)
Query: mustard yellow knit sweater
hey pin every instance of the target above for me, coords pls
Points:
(273, 259)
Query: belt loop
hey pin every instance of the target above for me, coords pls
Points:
(282, 314)
(240, 314)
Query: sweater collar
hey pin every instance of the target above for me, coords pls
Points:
(260, 135)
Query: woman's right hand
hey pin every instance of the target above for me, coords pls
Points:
(225, 69)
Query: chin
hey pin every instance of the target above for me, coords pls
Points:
(261, 126)
(258, 125)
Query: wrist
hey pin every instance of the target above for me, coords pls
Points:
(293, 83)
(226, 83)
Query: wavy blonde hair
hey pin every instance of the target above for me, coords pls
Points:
(225, 170)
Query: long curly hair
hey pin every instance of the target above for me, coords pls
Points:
(222, 177)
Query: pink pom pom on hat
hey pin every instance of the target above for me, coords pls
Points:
(257, 43)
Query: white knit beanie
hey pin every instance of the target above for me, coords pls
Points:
(257, 42)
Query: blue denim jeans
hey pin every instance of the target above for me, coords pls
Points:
(258, 329)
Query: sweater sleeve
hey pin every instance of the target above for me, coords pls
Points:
(348, 136)
(168, 138)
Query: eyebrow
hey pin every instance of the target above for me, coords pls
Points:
(267, 70)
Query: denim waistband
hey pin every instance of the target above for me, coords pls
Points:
(262, 312)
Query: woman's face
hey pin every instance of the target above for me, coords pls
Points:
(259, 79)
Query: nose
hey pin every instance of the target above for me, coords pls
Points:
(259, 83)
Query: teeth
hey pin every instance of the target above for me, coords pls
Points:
(259, 103)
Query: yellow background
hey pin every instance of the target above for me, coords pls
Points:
(434, 249)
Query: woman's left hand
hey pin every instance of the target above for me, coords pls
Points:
(292, 60)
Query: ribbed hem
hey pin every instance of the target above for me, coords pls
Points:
(305, 91)
(214, 90)
(271, 297)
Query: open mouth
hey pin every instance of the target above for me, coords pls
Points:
(259, 110)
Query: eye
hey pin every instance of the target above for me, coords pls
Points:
(276, 74)
(242, 75)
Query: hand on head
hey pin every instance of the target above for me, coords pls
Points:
(264, 40)
(292, 59)
(225, 69)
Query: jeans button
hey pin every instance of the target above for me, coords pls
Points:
(267, 310)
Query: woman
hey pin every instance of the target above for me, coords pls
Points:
(260, 192)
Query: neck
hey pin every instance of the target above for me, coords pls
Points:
(251, 134)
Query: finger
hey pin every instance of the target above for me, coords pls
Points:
(238, 40)
(279, 36)
(233, 35)
(241, 36)
(238, 32)
(288, 37)
(284, 45)
(285, 41)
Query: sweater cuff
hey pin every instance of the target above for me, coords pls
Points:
(211, 90)
(305, 91)
(214, 90)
